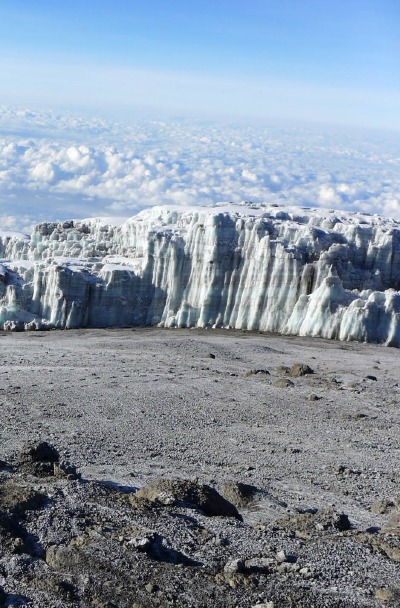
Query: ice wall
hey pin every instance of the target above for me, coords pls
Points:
(292, 270)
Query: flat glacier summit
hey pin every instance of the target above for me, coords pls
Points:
(269, 268)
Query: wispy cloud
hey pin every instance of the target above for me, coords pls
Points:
(70, 82)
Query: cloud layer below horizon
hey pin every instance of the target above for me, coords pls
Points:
(59, 166)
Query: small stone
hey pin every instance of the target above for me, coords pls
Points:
(281, 556)
(346, 471)
(385, 594)
(258, 372)
(335, 520)
(381, 507)
(234, 566)
(259, 564)
(300, 369)
(283, 370)
(141, 544)
(393, 527)
(221, 542)
(17, 545)
(283, 383)
(63, 557)
(314, 397)
(151, 587)
(66, 469)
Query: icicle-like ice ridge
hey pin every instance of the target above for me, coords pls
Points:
(292, 270)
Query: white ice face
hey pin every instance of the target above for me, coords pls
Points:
(292, 270)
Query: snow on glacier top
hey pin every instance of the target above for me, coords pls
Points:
(176, 219)
(104, 220)
(291, 213)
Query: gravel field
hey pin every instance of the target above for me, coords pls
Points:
(310, 460)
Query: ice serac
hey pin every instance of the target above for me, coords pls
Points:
(309, 272)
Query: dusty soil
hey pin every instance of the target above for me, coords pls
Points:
(310, 461)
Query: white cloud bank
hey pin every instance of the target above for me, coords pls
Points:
(57, 167)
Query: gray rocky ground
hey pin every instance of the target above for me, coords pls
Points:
(209, 471)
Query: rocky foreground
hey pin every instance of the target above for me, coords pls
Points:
(156, 468)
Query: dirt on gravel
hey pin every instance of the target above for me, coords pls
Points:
(152, 468)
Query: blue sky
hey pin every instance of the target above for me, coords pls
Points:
(255, 59)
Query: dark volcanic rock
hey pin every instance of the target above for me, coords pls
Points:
(384, 506)
(258, 372)
(300, 369)
(15, 498)
(43, 460)
(15, 502)
(177, 491)
(283, 370)
(319, 521)
(38, 452)
(65, 469)
(283, 383)
(238, 493)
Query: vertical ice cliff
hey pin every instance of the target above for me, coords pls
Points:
(292, 270)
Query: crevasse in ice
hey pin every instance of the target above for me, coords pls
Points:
(292, 270)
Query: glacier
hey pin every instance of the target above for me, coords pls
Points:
(269, 268)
